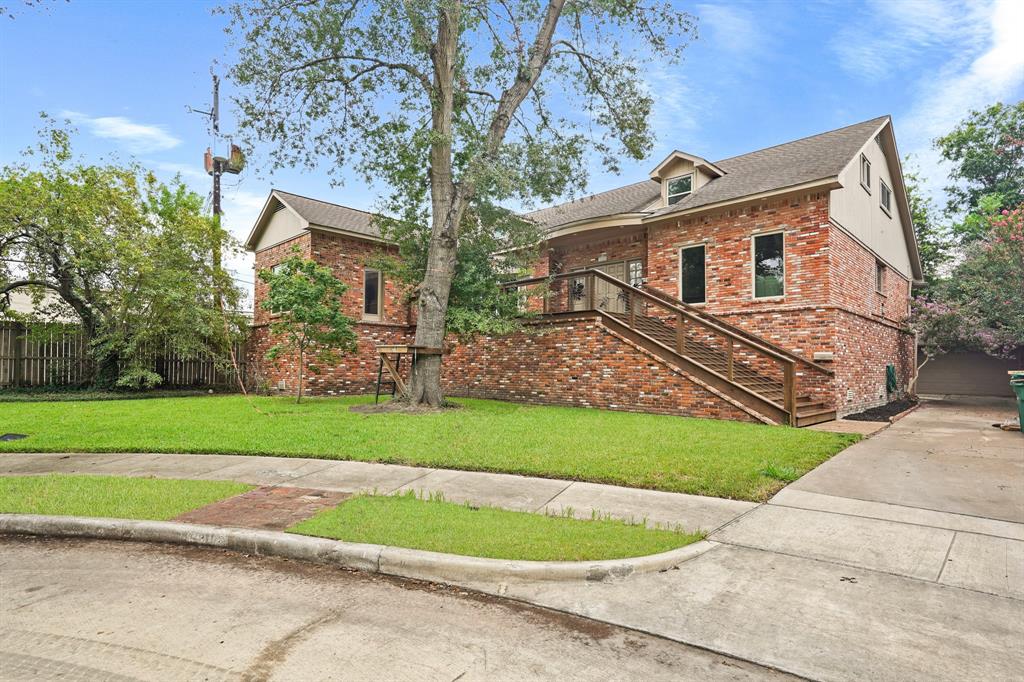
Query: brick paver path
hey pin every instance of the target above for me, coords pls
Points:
(267, 508)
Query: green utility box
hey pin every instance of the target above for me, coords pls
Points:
(1017, 383)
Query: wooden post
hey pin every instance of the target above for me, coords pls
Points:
(632, 309)
(728, 356)
(789, 390)
(17, 359)
(680, 334)
(589, 284)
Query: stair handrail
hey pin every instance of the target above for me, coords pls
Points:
(788, 364)
(577, 274)
(669, 298)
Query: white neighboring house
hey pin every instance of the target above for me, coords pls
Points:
(52, 308)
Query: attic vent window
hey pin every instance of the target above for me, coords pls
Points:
(279, 207)
(679, 187)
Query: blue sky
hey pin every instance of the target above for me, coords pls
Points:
(760, 73)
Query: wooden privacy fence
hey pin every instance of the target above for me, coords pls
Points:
(57, 355)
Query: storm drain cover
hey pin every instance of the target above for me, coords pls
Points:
(13, 436)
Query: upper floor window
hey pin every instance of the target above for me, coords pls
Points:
(277, 270)
(885, 197)
(880, 277)
(692, 279)
(679, 187)
(865, 173)
(372, 299)
(769, 265)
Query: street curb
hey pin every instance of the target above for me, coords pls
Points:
(396, 561)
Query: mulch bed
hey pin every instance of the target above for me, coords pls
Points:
(883, 413)
(392, 406)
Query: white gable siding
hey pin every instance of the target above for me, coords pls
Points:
(861, 214)
(281, 226)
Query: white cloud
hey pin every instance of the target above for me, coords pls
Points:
(733, 30)
(991, 72)
(138, 138)
(678, 111)
(888, 35)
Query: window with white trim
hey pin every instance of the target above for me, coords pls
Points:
(692, 274)
(865, 173)
(880, 277)
(885, 197)
(372, 298)
(635, 273)
(769, 265)
(679, 188)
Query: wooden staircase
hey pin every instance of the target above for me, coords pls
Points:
(808, 410)
(745, 367)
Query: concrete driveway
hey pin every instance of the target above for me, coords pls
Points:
(945, 456)
(902, 558)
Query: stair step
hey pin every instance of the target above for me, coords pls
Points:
(808, 410)
(815, 417)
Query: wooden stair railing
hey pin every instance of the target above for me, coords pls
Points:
(736, 329)
(743, 366)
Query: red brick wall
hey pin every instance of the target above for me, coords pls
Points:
(854, 266)
(728, 239)
(267, 259)
(863, 348)
(357, 372)
(578, 362)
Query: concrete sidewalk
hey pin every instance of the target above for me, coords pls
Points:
(902, 558)
(521, 493)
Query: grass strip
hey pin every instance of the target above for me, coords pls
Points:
(439, 526)
(116, 497)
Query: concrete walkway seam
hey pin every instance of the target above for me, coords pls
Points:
(397, 561)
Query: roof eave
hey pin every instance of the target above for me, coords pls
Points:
(596, 223)
(830, 183)
(349, 233)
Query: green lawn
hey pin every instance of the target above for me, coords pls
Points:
(405, 521)
(110, 496)
(699, 456)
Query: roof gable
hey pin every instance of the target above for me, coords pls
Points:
(314, 213)
(703, 164)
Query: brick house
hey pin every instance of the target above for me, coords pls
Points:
(771, 286)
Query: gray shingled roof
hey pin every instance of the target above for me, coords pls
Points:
(326, 214)
(785, 165)
(629, 199)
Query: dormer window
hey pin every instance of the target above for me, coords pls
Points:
(679, 187)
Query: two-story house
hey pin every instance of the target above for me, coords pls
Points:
(771, 286)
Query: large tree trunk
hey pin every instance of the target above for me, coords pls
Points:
(447, 206)
(449, 199)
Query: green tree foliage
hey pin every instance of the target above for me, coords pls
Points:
(980, 306)
(129, 256)
(452, 105)
(933, 241)
(986, 152)
(305, 298)
(989, 281)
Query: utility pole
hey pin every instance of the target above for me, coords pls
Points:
(217, 166)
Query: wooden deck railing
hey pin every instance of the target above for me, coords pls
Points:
(718, 350)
